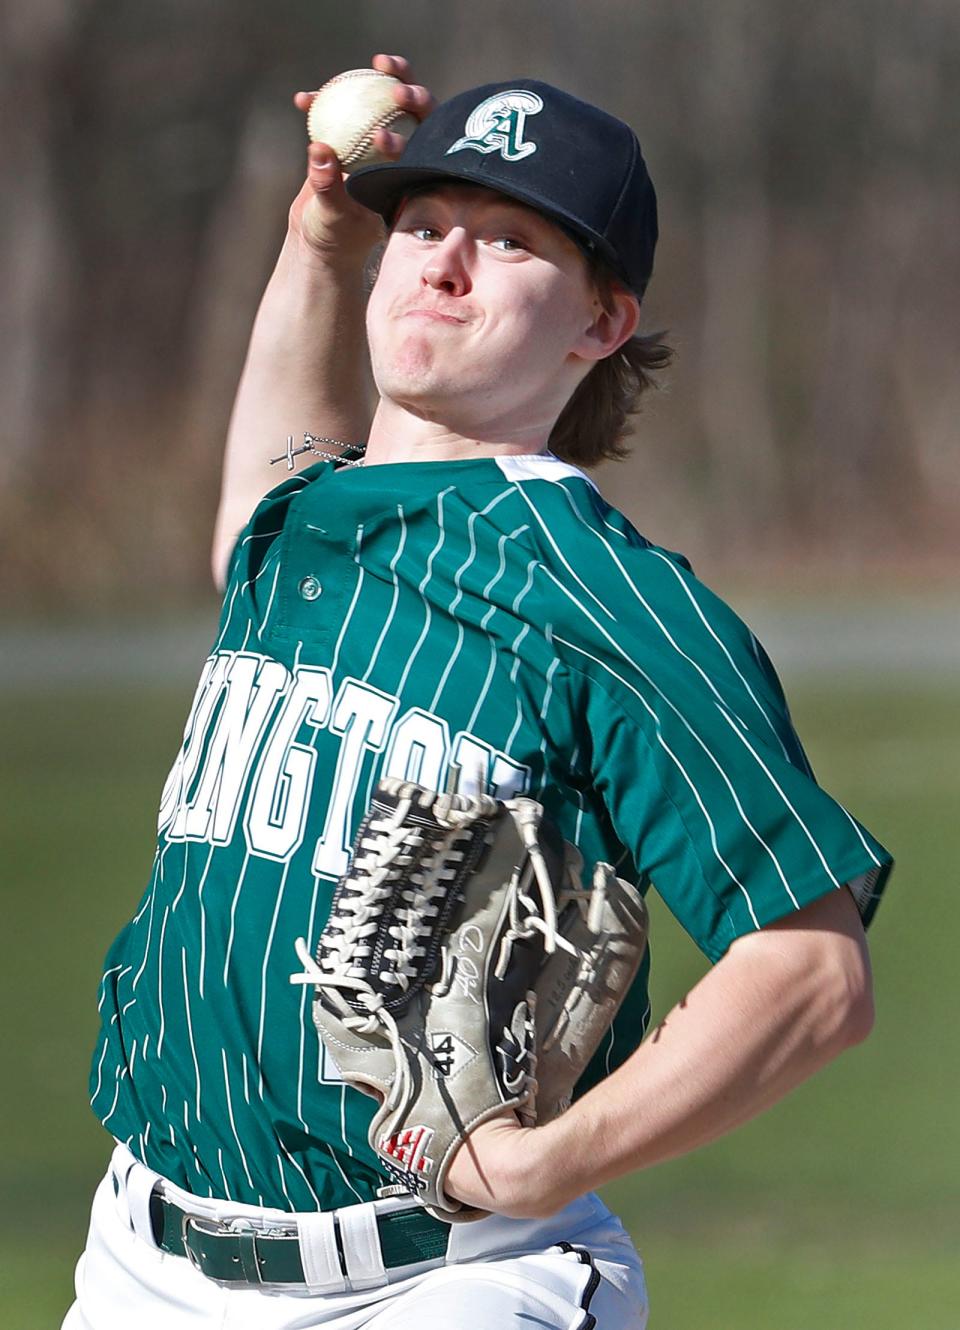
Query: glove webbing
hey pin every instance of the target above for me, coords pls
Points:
(399, 849)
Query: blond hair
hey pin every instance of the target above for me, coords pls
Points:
(594, 425)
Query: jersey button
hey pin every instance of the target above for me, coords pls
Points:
(309, 588)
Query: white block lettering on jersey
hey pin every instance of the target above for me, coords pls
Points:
(472, 757)
(362, 715)
(484, 770)
(328, 1072)
(193, 749)
(253, 685)
(171, 788)
(277, 812)
(508, 778)
(418, 748)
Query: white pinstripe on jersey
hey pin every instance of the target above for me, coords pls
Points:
(499, 607)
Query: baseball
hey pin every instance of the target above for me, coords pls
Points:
(348, 110)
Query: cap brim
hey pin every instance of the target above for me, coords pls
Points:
(383, 186)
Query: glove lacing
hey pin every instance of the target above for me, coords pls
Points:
(591, 905)
(392, 851)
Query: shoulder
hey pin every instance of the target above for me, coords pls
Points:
(585, 522)
(607, 573)
(570, 517)
(633, 619)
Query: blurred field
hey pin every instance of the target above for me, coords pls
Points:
(836, 1210)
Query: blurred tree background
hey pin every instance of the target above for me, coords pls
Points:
(804, 455)
(805, 160)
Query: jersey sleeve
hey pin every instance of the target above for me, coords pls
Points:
(694, 756)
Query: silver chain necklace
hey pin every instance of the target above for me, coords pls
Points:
(309, 445)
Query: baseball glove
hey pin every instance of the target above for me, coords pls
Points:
(462, 968)
(581, 986)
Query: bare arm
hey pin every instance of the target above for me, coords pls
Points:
(306, 366)
(781, 1004)
(304, 371)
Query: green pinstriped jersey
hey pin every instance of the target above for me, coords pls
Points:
(471, 623)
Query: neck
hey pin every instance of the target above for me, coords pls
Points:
(396, 435)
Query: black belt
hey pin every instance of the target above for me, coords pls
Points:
(256, 1257)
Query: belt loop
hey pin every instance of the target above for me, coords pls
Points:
(140, 1182)
(247, 1251)
(361, 1246)
(322, 1271)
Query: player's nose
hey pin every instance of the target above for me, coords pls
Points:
(447, 267)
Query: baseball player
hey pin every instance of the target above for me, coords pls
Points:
(445, 596)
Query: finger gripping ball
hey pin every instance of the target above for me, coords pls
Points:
(347, 111)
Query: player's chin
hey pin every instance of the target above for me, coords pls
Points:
(433, 397)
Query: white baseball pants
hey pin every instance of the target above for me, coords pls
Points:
(577, 1270)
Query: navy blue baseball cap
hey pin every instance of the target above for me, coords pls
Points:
(571, 161)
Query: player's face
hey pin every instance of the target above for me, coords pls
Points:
(480, 315)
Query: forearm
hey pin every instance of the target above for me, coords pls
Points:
(780, 1005)
(750, 1032)
(306, 369)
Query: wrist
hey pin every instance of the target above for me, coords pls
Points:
(521, 1172)
(323, 265)
(553, 1166)
(499, 1168)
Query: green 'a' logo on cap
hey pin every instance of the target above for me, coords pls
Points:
(498, 124)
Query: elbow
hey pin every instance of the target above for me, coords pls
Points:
(845, 987)
(826, 950)
(861, 1013)
(857, 1014)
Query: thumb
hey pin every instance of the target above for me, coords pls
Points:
(327, 219)
(325, 201)
(324, 175)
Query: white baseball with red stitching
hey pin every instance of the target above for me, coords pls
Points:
(349, 109)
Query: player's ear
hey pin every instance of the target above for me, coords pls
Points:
(616, 314)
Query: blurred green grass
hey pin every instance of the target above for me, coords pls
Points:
(836, 1209)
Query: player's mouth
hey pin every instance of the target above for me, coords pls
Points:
(433, 314)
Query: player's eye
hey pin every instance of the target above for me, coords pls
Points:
(424, 232)
(508, 244)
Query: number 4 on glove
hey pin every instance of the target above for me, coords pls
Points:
(464, 971)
